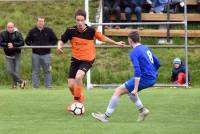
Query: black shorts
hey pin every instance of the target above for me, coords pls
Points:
(79, 65)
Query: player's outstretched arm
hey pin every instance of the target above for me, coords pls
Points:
(120, 43)
(60, 47)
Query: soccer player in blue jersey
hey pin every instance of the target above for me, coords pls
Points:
(145, 73)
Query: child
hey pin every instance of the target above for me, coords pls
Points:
(178, 72)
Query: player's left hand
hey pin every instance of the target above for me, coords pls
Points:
(134, 92)
(120, 43)
(60, 48)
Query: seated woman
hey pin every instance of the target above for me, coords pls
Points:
(157, 6)
(178, 72)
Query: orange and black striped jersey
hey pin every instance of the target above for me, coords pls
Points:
(83, 47)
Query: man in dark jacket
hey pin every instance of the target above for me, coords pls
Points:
(10, 40)
(111, 7)
(41, 36)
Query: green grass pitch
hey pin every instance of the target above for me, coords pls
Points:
(173, 111)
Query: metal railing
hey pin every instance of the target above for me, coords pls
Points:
(114, 46)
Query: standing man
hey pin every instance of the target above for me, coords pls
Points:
(145, 74)
(41, 36)
(82, 39)
(10, 40)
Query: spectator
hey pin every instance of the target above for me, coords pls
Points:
(111, 7)
(175, 6)
(178, 72)
(10, 40)
(133, 6)
(157, 6)
(41, 36)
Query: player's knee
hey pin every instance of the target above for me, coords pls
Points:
(117, 9)
(78, 78)
(120, 91)
(106, 9)
(70, 85)
(138, 10)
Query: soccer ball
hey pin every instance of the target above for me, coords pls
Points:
(77, 108)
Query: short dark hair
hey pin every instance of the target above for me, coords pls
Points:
(40, 17)
(80, 12)
(134, 36)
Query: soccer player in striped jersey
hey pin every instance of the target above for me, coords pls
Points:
(82, 39)
(145, 73)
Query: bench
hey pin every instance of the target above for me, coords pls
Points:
(152, 32)
(163, 17)
(191, 2)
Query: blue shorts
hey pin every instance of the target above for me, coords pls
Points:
(144, 83)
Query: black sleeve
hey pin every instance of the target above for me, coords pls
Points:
(66, 36)
(183, 68)
(20, 40)
(29, 38)
(2, 41)
(139, 3)
(53, 38)
(116, 4)
(173, 76)
(0, 38)
(133, 3)
(107, 4)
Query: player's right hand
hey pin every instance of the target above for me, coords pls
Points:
(135, 92)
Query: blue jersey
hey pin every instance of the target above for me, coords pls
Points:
(145, 62)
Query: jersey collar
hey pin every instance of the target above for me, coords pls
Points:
(137, 44)
(83, 30)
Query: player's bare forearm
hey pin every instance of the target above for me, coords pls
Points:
(120, 43)
(60, 43)
(135, 90)
(110, 41)
(137, 83)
